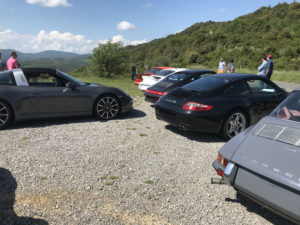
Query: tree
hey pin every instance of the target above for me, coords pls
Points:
(109, 58)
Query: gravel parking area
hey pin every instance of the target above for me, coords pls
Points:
(132, 170)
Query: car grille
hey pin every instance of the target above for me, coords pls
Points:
(179, 93)
(279, 133)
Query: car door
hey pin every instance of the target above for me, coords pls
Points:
(264, 98)
(51, 98)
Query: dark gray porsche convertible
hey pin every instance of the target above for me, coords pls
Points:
(35, 93)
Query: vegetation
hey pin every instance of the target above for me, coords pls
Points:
(267, 30)
(108, 59)
(64, 64)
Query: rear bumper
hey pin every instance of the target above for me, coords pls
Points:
(271, 195)
(186, 121)
(143, 87)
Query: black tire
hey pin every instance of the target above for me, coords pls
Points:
(235, 122)
(6, 115)
(107, 107)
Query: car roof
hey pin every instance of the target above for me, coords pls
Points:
(163, 68)
(234, 76)
(195, 71)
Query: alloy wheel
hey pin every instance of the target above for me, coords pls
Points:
(4, 115)
(107, 107)
(235, 124)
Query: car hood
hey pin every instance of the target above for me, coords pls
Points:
(95, 85)
(272, 149)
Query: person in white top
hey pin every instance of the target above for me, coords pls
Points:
(222, 66)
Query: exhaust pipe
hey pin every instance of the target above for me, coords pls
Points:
(181, 127)
(217, 181)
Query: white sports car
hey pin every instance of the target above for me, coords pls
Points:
(148, 81)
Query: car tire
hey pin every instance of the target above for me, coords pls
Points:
(234, 123)
(6, 115)
(107, 107)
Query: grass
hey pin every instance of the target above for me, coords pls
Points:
(287, 76)
(25, 138)
(124, 83)
(127, 85)
(143, 135)
(149, 182)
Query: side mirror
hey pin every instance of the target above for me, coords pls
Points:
(69, 87)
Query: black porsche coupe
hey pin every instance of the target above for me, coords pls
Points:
(225, 104)
(35, 93)
(153, 93)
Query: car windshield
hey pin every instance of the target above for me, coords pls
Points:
(68, 77)
(177, 77)
(155, 70)
(164, 72)
(206, 84)
(6, 78)
(289, 109)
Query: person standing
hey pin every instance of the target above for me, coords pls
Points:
(270, 66)
(230, 66)
(2, 64)
(133, 72)
(12, 62)
(222, 66)
(262, 69)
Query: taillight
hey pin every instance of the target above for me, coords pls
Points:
(194, 106)
(156, 92)
(224, 162)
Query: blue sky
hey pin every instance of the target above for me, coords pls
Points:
(78, 25)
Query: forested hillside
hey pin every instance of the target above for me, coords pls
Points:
(268, 30)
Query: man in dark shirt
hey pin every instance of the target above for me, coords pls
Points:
(270, 66)
(2, 64)
(133, 72)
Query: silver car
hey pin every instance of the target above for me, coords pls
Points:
(263, 162)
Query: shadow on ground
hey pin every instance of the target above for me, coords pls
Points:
(8, 186)
(195, 136)
(253, 207)
(133, 114)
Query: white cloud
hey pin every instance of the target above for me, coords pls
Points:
(54, 40)
(50, 3)
(120, 38)
(148, 5)
(125, 25)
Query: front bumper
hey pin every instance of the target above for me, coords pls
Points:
(127, 104)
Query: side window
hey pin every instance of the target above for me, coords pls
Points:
(260, 87)
(6, 78)
(206, 74)
(45, 80)
(237, 88)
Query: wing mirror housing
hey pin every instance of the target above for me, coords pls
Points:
(69, 87)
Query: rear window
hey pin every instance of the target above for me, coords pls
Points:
(6, 78)
(177, 77)
(153, 71)
(164, 72)
(206, 84)
(289, 109)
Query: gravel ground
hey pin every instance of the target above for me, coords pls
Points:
(132, 170)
